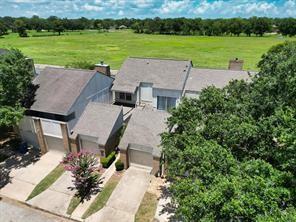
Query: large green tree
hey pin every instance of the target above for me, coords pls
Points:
(231, 153)
(16, 88)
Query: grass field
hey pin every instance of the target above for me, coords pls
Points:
(114, 47)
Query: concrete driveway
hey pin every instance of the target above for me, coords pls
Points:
(57, 197)
(126, 198)
(23, 180)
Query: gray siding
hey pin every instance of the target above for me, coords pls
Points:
(27, 131)
(90, 93)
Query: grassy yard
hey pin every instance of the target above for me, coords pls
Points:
(102, 197)
(114, 47)
(47, 181)
(147, 208)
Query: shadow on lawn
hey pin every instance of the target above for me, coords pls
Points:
(15, 160)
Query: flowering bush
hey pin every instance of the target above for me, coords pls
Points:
(84, 167)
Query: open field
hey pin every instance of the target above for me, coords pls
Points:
(114, 47)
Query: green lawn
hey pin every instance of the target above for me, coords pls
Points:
(47, 181)
(102, 197)
(147, 208)
(114, 47)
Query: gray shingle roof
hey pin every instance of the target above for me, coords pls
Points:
(59, 88)
(202, 78)
(163, 73)
(144, 129)
(98, 120)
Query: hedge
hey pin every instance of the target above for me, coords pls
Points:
(107, 161)
(119, 165)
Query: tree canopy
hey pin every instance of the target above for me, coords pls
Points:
(231, 155)
(16, 88)
(178, 26)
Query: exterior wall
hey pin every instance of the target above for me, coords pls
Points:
(156, 166)
(65, 134)
(88, 143)
(145, 93)
(97, 89)
(28, 131)
(124, 158)
(167, 93)
(40, 136)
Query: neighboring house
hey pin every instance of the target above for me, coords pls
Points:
(199, 79)
(3, 51)
(98, 128)
(60, 99)
(140, 144)
(158, 83)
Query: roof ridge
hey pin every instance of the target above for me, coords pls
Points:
(155, 58)
(64, 68)
(220, 69)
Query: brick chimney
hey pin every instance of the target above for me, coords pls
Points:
(236, 64)
(103, 68)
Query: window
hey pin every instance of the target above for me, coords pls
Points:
(128, 96)
(165, 103)
(122, 96)
(125, 96)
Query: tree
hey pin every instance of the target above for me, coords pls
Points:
(260, 25)
(58, 26)
(231, 153)
(84, 169)
(287, 26)
(20, 28)
(3, 29)
(16, 75)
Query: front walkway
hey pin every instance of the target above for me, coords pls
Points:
(23, 180)
(126, 198)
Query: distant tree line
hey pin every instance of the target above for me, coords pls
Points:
(177, 26)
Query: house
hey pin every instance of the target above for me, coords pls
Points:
(199, 79)
(158, 83)
(140, 144)
(3, 51)
(98, 128)
(60, 100)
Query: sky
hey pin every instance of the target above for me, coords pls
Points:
(148, 8)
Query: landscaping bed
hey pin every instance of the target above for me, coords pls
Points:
(147, 208)
(102, 198)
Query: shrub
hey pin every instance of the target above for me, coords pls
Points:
(119, 165)
(107, 161)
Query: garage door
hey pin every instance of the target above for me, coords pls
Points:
(89, 146)
(140, 158)
(54, 143)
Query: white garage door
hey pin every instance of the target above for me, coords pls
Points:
(146, 92)
(54, 143)
(89, 146)
(140, 158)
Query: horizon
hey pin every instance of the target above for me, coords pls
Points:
(141, 9)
